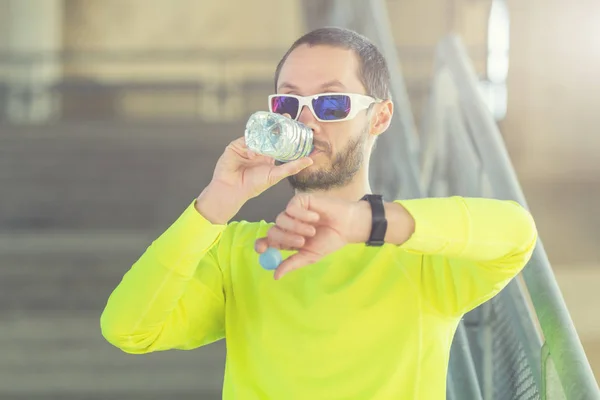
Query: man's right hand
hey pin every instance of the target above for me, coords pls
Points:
(240, 175)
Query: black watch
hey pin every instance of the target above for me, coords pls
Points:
(378, 221)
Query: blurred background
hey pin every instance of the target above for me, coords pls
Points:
(113, 113)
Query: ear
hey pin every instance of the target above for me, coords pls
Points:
(382, 117)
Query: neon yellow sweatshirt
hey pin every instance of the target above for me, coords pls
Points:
(363, 323)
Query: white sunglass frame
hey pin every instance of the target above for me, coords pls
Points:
(358, 102)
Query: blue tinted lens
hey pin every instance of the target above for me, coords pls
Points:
(332, 107)
(285, 105)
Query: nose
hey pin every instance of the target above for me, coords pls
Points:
(307, 118)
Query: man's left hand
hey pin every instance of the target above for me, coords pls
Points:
(316, 226)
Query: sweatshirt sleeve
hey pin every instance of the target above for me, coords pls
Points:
(173, 296)
(469, 248)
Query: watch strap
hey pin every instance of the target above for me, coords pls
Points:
(378, 220)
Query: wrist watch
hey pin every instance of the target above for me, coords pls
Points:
(378, 221)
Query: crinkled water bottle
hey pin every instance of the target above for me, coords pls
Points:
(278, 137)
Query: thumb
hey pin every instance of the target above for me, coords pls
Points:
(294, 262)
(282, 171)
(317, 203)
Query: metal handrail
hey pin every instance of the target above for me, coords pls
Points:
(403, 117)
(445, 133)
(560, 336)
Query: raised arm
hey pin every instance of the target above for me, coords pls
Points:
(173, 296)
(470, 248)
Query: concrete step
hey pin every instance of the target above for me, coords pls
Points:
(56, 355)
(107, 176)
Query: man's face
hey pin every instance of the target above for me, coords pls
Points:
(341, 147)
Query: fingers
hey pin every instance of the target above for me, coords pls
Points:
(241, 142)
(298, 208)
(279, 239)
(239, 146)
(261, 245)
(297, 226)
(250, 155)
(280, 172)
(296, 261)
(291, 229)
(295, 223)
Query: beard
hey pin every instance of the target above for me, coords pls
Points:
(343, 167)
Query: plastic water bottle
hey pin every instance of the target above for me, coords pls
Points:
(278, 137)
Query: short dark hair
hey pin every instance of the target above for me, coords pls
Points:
(373, 70)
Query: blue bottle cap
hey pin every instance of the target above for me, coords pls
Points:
(270, 259)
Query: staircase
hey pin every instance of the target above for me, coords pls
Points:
(79, 204)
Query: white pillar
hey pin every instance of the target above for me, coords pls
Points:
(33, 28)
(498, 47)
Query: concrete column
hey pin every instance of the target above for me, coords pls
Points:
(33, 32)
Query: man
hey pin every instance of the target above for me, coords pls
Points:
(339, 318)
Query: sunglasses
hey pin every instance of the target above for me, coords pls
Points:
(326, 107)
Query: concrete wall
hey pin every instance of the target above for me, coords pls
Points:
(553, 85)
(181, 24)
(554, 89)
(187, 26)
(184, 25)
